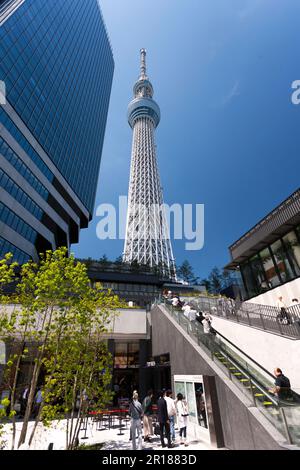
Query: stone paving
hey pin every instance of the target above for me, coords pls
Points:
(110, 438)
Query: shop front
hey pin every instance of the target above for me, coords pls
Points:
(204, 418)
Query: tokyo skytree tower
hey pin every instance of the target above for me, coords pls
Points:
(147, 235)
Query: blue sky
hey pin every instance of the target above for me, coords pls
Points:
(229, 134)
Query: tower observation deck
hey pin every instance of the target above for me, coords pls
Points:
(147, 239)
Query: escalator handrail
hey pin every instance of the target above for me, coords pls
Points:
(248, 374)
(248, 357)
(240, 350)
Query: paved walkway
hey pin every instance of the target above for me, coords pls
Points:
(113, 441)
(110, 438)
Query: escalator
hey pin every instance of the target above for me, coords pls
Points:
(252, 379)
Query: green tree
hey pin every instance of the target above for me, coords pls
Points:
(104, 260)
(216, 280)
(186, 272)
(65, 318)
(206, 283)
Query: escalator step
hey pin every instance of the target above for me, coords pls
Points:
(258, 394)
(232, 368)
(267, 403)
(244, 380)
(237, 373)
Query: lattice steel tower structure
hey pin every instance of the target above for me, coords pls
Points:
(147, 239)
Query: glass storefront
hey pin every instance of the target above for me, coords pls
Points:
(293, 251)
(272, 266)
(282, 262)
(192, 389)
(272, 279)
(126, 355)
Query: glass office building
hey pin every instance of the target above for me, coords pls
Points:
(268, 255)
(56, 66)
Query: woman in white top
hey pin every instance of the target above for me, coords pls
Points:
(182, 414)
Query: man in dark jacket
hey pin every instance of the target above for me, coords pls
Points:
(282, 385)
(163, 419)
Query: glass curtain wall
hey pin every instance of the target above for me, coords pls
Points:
(272, 266)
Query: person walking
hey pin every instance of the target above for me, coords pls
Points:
(136, 413)
(200, 317)
(24, 399)
(37, 402)
(283, 316)
(171, 407)
(163, 419)
(182, 413)
(206, 325)
(147, 420)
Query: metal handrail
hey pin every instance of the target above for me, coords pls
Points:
(286, 424)
(244, 354)
(259, 366)
(264, 317)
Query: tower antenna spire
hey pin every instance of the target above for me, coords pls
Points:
(143, 64)
(147, 240)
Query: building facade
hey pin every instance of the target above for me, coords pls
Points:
(147, 239)
(268, 255)
(57, 66)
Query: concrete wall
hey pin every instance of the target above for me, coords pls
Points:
(267, 349)
(289, 291)
(125, 322)
(129, 322)
(242, 427)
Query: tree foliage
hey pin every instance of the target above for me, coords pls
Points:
(218, 280)
(186, 272)
(60, 321)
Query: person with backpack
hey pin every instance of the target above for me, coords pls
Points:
(147, 420)
(136, 413)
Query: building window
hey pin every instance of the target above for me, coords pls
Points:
(126, 355)
(249, 280)
(283, 265)
(292, 247)
(120, 361)
(272, 278)
(258, 274)
(8, 7)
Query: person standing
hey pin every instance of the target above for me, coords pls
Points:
(24, 399)
(182, 413)
(283, 313)
(171, 412)
(147, 420)
(136, 413)
(163, 419)
(37, 402)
